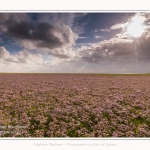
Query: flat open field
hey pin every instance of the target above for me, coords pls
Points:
(74, 105)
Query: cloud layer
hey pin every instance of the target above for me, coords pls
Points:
(122, 51)
(27, 61)
(46, 44)
(40, 35)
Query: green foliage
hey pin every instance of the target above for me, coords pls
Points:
(34, 123)
(72, 133)
(49, 119)
(85, 124)
(106, 115)
(140, 120)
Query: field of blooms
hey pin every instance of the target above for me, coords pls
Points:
(74, 105)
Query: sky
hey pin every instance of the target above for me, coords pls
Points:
(98, 42)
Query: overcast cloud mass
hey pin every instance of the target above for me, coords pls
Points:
(75, 42)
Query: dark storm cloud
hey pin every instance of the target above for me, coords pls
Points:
(32, 35)
(76, 21)
(19, 30)
(43, 33)
(6, 18)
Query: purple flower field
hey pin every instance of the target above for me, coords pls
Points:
(74, 105)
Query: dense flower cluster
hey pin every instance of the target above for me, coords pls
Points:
(74, 105)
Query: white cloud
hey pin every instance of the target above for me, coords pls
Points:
(98, 37)
(105, 30)
(96, 30)
(3, 53)
(82, 37)
(118, 26)
(26, 61)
